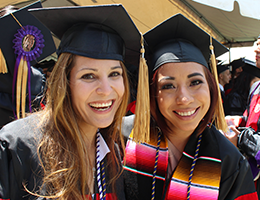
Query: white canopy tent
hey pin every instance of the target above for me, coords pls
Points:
(237, 22)
(247, 8)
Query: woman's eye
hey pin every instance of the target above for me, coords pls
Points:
(167, 86)
(88, 76)
(196, 82)
(114, 74)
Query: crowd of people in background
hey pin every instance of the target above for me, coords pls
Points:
(104, 121)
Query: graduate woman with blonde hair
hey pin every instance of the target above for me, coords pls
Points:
(70, 150)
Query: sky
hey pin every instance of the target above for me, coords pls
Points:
(239, 52)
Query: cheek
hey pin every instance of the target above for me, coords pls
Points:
(79, 93)
(164, 101)
(120, 88)
(204, 97)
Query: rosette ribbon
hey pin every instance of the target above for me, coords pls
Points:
(28, 45)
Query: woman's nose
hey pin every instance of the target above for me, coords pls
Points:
(184, 96)
(104, 87)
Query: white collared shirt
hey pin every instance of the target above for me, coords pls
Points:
(221, 87)
(104, 149)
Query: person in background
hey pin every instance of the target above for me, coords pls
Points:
(257, 52)
(235, 68)
(46, 67)
(184, 156)
(70, 150)
(16, 23)
(224, 77)
(236, 100)
(246, 128)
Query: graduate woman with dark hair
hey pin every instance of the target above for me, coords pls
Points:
(184, 156)
(68, 150)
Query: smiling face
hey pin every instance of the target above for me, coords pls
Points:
(183, 95)
(97, 89)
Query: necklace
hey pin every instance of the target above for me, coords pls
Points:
(191, 170)
(100, 170)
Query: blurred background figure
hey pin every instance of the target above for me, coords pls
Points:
(224, 77)
(235, 68)
(21, 85)
(236, 100)
(46, 67)
(257, 51)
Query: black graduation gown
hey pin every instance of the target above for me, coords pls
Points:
(221, 172)
(6, 104)
(19, 162)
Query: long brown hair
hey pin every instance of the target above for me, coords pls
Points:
(62, 151)
(160, 119)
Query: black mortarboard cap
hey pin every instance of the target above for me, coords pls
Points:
(221, 68)
(236, 64)
(250, 67)
(9, 27)
(99, 32)
(177, 39)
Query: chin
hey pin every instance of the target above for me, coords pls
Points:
(105, 124)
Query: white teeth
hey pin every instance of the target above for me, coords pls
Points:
(186, 113)
(101, 106)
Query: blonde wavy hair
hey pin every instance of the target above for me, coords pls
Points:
(62, 150)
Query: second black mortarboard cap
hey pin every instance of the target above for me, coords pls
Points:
(236, 64)
(11, 23)
(221, 68)
(177, 39)
(250, 67)
(100, 32)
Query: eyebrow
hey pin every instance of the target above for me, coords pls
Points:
(173, 78)
(195, 74)
(94, 69)
(116, 67)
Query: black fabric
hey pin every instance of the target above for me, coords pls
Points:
(6, 103)
(9, 27)
(222, 68)
(250, 67)
(180, 28)
(236, 176)
(177, 51)
(249, 142)
(223, 97)
(92, 40)
(114, 16)
(19, 161)
(235, 104)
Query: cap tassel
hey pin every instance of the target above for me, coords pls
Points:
(141, 131)
(218, 116)
(3, 67)
(21, 86)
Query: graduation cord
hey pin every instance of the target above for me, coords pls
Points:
(191, 170)
(100, 170)
(103, 179)
(193, 166)
(156, 164)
